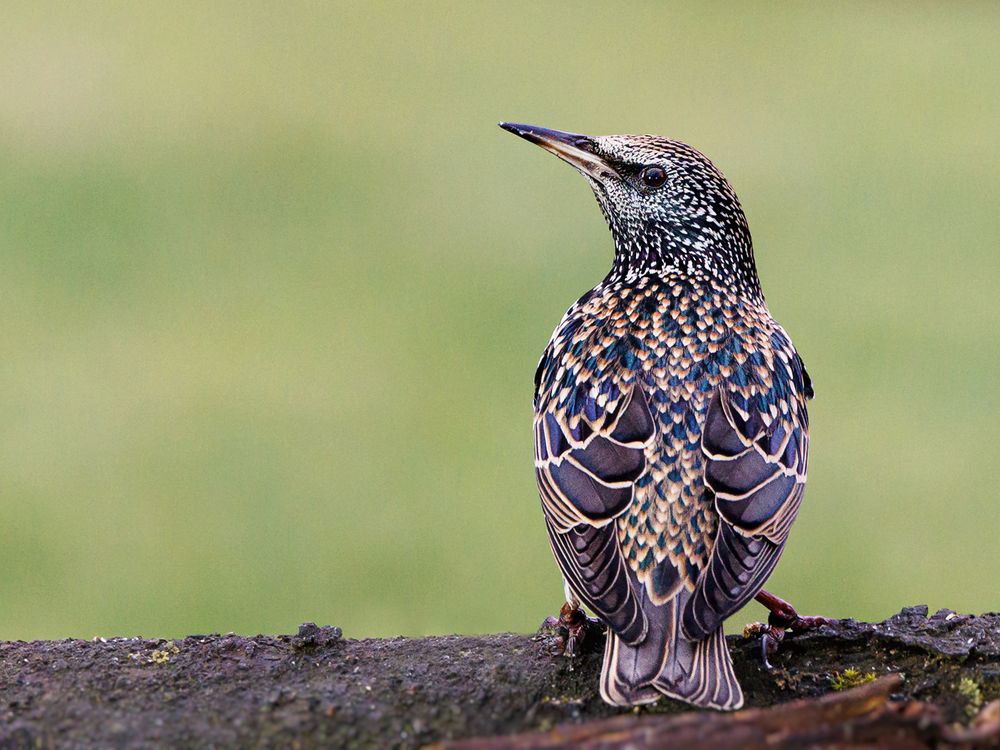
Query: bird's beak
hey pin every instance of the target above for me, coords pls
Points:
(578, 150)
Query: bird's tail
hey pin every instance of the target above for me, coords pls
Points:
(665, 663)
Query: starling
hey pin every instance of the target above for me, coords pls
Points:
(671, 433)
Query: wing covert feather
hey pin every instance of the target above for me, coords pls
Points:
(584, 484)
(757, 474)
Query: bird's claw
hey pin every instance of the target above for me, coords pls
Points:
(785, 617)
(571, 629)
(782, 618)
(769, 643)
(770, 638)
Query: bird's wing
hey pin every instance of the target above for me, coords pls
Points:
(756, 467)
(587, 459)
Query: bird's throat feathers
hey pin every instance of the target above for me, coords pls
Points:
(697, 249)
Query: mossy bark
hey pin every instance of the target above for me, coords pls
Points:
(319, 689)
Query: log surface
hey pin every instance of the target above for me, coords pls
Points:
(864, 716)
(319, 689)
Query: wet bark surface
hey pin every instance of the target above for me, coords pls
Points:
(320, 689)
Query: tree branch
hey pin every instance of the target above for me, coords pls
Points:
(319, 689)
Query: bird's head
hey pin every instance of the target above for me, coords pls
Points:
(667, 205)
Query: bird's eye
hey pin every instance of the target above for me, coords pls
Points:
(653, 177)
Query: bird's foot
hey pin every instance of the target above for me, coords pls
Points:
(783, 618)
(783, 615)
(571, 629)
(770, 637)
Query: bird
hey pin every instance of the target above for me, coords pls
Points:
(671, 433)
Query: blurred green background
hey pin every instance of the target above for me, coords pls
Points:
(273, 287)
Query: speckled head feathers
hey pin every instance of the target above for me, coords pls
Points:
(668, 206)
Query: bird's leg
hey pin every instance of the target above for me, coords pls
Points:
(571, 627)
(783, 614)
(783, 617)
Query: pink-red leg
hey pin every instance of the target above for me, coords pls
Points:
(782, 617)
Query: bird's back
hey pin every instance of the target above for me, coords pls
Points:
(673, 342)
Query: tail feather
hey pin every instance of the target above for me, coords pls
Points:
(617, 686)
(711, 682)
(666, 663)
(629, 669)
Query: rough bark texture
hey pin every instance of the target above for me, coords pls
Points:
(319, 689)
(863, 716)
